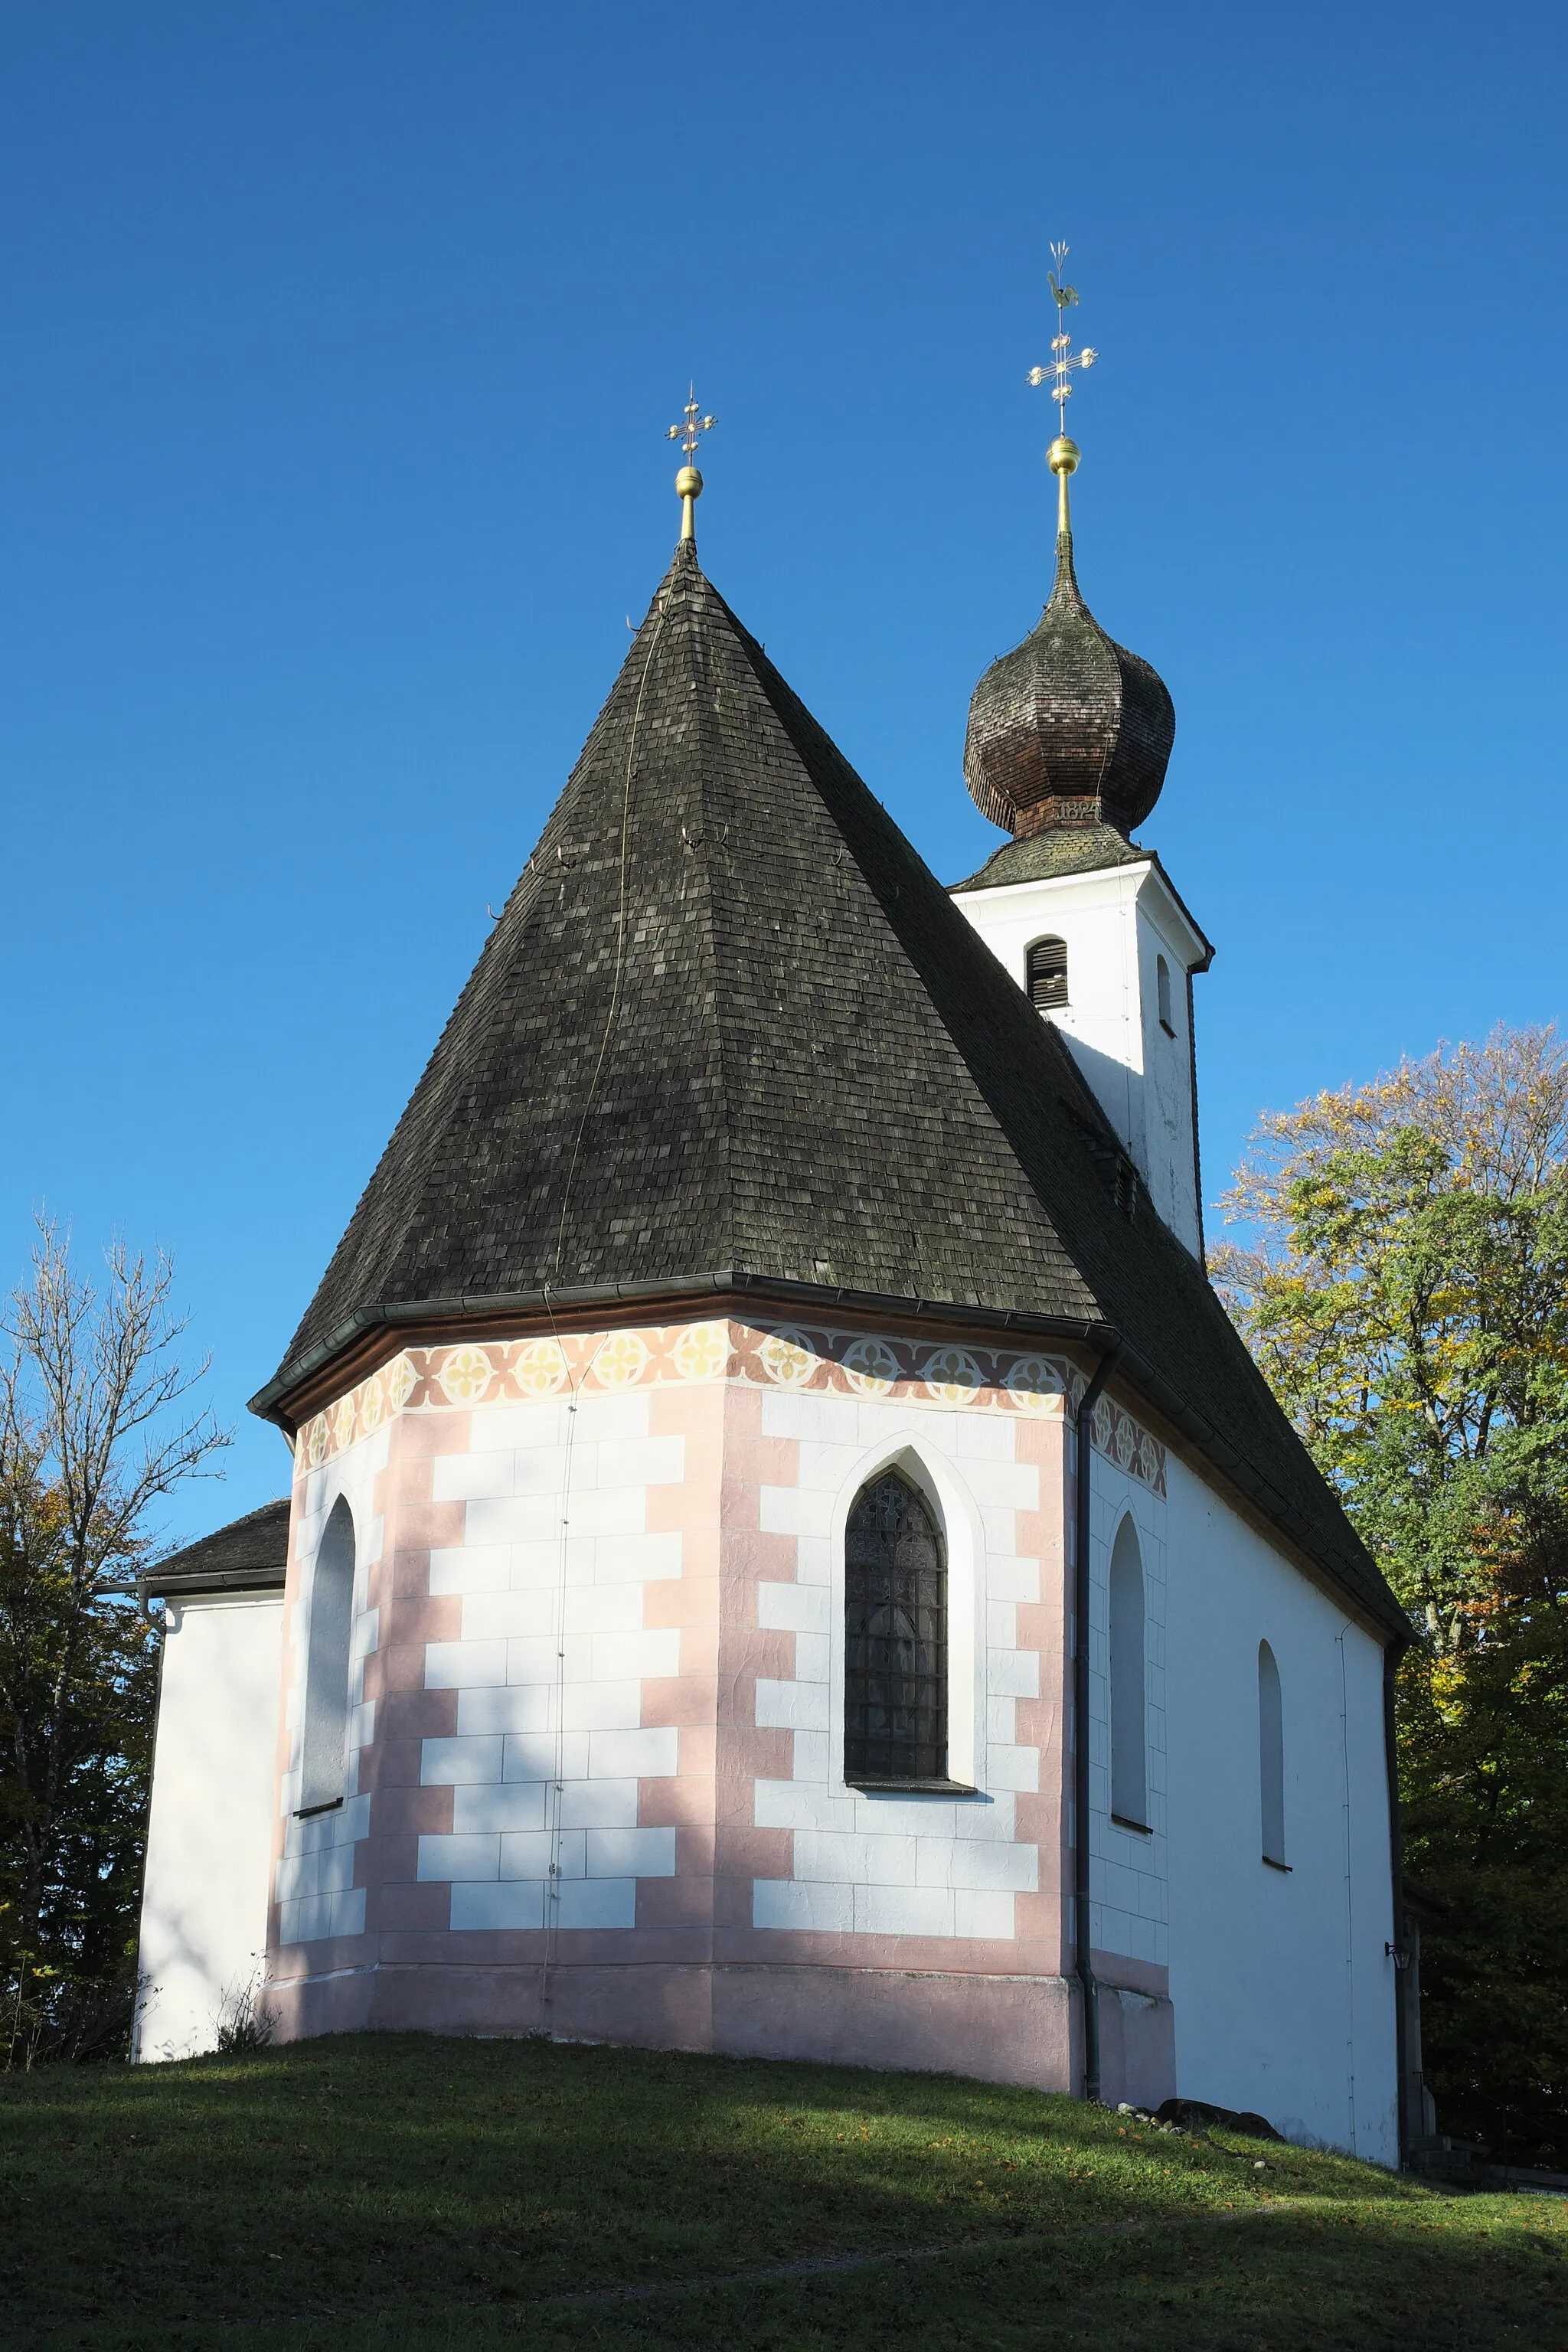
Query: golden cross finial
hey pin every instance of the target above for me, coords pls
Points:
(694, 426)
(1064, 360)
(1062, 455)
(689, 481)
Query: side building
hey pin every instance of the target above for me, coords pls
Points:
(211, 1827)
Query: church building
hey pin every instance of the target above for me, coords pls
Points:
(786, 1553)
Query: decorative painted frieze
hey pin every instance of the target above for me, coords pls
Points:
(800, 1357)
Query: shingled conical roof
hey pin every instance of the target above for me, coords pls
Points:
(730, 1026)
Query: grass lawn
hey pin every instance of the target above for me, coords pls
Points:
(402, 2193)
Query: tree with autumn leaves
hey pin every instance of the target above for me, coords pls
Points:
(1405, 1289)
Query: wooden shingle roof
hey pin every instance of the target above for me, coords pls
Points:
(249, 1555)
(731, 1031)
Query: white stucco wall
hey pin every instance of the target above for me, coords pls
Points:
(315, 1876)
(886, 1865)
(1129, 1872)
(1117, 922)
(209, 1839)
(557, 1646)
(551, 1664)
(1284, 1994)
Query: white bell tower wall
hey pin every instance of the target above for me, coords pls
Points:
(1131, 949)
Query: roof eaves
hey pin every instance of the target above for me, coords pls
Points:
(1186, 914)
(1372, 1597)
(163, 1585)
(1150, 858)
(460, 1306)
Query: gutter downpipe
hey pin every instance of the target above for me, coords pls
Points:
(1082, 1444)
(1391, 1653)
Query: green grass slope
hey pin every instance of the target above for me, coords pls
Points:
(402, 2193)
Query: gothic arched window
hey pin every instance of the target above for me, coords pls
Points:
(1047, 970)
(1272, 1757)
(894, 1637)
(1129, 1734)
(1162, 995)
(327, 1665)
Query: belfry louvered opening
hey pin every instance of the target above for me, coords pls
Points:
(1048, 969)
(895, 1650)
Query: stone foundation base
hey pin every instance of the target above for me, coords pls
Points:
(995, 2028)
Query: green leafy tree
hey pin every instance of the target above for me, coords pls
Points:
(94, 1430)
(1406, 1293)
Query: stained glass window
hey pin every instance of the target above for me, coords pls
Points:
(895, 1682)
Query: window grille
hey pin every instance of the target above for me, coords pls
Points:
(895, 1683)
(1049, 975)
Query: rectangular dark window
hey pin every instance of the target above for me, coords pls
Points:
(895, 1658)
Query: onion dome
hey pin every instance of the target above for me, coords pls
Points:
(1070, 728)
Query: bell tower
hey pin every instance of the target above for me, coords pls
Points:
(1069, 735)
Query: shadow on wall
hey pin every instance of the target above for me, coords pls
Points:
(1119, 1091)
(242, 2018)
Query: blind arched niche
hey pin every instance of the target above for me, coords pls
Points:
(327, 1664)
(1129, 1734)
(1271, 1756)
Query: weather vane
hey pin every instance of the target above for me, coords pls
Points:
(1064, 360)
(689, 481)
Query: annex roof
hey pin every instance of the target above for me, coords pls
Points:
(731, 1031)
(250, 1554)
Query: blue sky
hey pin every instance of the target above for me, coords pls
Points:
(336, 347)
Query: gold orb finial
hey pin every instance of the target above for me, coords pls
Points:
(1063, 455)
(689, 481)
